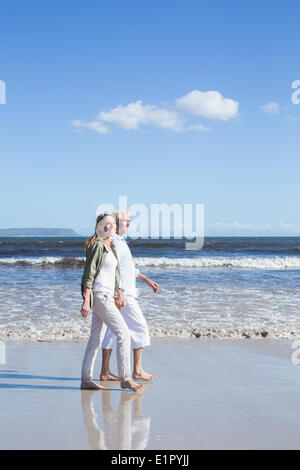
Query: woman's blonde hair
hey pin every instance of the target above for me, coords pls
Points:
(91, 240)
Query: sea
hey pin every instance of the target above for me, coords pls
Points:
(234, 287)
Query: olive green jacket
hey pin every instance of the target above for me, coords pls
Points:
(94, 261)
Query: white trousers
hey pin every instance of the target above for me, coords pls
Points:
(105, 313)
(136, 323)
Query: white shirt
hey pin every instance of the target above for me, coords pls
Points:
(105, 281)
(128, 270)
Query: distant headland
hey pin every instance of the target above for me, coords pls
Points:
(38, 232)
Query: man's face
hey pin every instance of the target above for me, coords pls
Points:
(124, 224)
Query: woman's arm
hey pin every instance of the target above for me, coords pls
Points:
(90, 267)
(85, 309)
(88, 277)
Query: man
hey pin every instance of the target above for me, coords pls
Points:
(128, 305)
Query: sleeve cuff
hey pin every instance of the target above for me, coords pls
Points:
(88, 284)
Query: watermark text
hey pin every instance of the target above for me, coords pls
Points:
(296, 354)
(296, 95)
(163, 221)
(2, 92)
(2, 353)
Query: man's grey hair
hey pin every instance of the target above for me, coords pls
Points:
(119, 215)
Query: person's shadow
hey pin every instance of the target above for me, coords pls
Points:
(12, 374)
(123, 428)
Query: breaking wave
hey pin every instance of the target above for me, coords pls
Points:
(44, 261)
(224, 262)
(274, 262)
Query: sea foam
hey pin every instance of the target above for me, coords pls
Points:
(257, 262)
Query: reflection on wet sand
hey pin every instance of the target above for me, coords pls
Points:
(123, 428)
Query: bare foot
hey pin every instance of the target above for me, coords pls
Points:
(131, 385)
(92, 386)
(109, 377)
(142, 375)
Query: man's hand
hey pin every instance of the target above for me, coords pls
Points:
(154, 285)
(148, 281)
(85, 309)
(120, 301)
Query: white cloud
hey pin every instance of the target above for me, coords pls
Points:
(270, 108)
(130, 117)
(199, 128)
(133, 116)
(209, 104)
(238, 225)
(282, 228)
(93, 126)
(290, 227)
(291, 118)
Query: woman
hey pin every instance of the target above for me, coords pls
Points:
(100, 288)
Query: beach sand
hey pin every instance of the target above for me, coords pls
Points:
(210, 394)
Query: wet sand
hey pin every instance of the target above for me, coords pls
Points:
(210, 394)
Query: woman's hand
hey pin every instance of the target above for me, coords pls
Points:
(85, 309)
(86, 302)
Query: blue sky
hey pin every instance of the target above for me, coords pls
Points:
(99, 104)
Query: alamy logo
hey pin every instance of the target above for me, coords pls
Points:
(296, 354)
(2, 353)
(296, 94)
(163, 220)
(2, 92)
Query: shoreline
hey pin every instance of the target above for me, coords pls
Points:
(210, 394)
(156, 334)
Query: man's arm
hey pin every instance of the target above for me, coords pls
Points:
(148, 281)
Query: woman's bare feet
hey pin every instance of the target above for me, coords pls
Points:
(109, 376)
(131, 385)
(142, 375)
(92, 386)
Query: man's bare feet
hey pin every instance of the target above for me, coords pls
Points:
(92, 386)
(109, 377)
(142, 375)
(131, 385)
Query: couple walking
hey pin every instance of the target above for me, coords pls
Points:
(108, 286)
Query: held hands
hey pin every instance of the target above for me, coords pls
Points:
(85, 309)
(120, 301)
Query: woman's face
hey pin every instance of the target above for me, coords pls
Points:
(106, 228)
